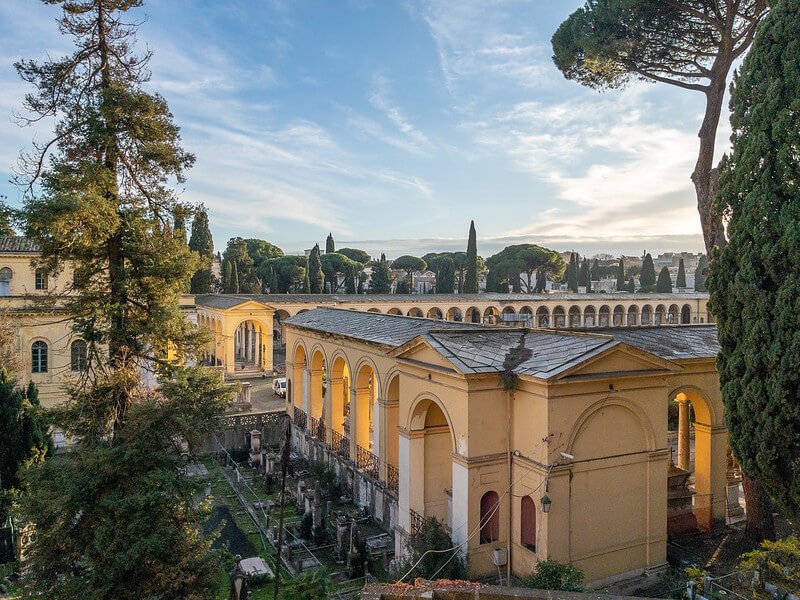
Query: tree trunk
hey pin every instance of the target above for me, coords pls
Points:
(760, 523)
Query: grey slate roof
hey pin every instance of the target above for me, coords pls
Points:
(17, 244)
(672, 342)
(388, 330)
(444, 299)
(219, 300)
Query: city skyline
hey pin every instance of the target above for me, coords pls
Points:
(309, 119)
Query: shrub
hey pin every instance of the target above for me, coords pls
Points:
(426, 548)
(553, 575)
(306, 526)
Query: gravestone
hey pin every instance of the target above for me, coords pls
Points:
(342, 537)
(255, 447)
(355, 562)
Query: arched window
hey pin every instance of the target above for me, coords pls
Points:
(527, 523)
(5, 281)
(78, 356)
(39, 357)
(490, 517)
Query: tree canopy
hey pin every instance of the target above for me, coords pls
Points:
(471, 273)
(356, 255)
(381, 280)
(316, 280)
(340, 271)
(330, 245)
(202, 243)
(680, 281)
(664, 281)
(647, 278)
(523, 262)
(239, 269)
(691, 44)
(289, 272)
(753, 282)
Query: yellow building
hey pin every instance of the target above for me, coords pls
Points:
(570, 463)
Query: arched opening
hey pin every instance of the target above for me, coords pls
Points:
(455, 314)
(39, 357)
(278, 317)
(491, 315)
(673, 317)
(415, 312)
(490, 517)
(395, 311)
(298, 371)
(366, 395)
(619, 315)
(78, 356)
(604, 317)
(633, 316)
(435, 313)
(250, 346)
(432, 485)
(589, 317)
(373, 310)
(392, 436)
(686, 314)
(340, 395)
(473, 315)
(527, 523)
(526, 316)
(542, 317)
(647, 312)
(574, 316)
(6, 275)
(660, 316)
(559, 317)
(697, 475)
(318, 381)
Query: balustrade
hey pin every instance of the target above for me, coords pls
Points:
(300, 418)
(392, 478)
(366, 461)
(340, 444)
(417, 520)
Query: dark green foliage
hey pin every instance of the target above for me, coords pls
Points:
(664, 282)
(409, 264)
(244, 279)
(441, 565)
(572, 273)
(584, 277)
(621, 275)
(260, 250)
(24, 437)
(6, 218)
(330, 245)
(273, 281)
(202, 243)
(356, 255)
(289, 272)
(306, 284)
(553, 575)
(680, 282)
(362, 280)
(315, 277)
(443, 266)
(403, 286)
(541, 282)
(471, 274)
(350, 281)
(754, 282)
(309, 585)
(522, 262)
(306, 526)
(594, 274)
(700, 274)
(381, 280)
(647, 278)
(339, 271)
(631, 287)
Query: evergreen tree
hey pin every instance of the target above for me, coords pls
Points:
(403, 286)
(621, 275)
(446, 276)
(631, 287)
(273, 281)
(330, 245)
(572, 274)
(227, 276)
(306, 284)
(647, 278)
(541, 282)
(409, 264)
(201, 243)
(97, 197)
(664, 281)
(680, 282)
(244, 278)
(700, 274)
(350, 281)
(6, 218)
(753, 281)
(595, 272)
(471, 277)
(24, 437)
(584, 279)
(381, 280)
(316, 279)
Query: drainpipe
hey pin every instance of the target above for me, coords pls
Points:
(511, 491)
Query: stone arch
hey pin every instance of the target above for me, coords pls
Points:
(674, 315)
(619, 316)
(604, 316)
(374, 310)
(559, 317)
(633, 316)
(637, 415)
(395, 311)
(491, 314)
(686, 314)
(391, 396)
(647, 314)
(660, 316)
(509, 310)
(364, 405)
(299, 355)
(415, 312)
(435, 313)
(454, 314)
(543, 317)
(339, 390)
(317, 381)
(250, 344)
(526, 316)
(278, 317)
(473, 315)
(574, 316)
(419, 413)
(589, 316)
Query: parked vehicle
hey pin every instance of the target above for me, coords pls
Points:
(279, 386)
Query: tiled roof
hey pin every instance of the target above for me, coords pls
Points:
(219, 300)
(17, 243)
(444, 299)
(673, 342)
(388, 330)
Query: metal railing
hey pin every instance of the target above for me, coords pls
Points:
(300, 418)
(392, 478)
(318, 430)
(340, 444)
(366, 461)
(417, 521)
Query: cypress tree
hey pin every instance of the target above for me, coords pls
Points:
(202, 243)
(381, 280)
(584, 278)
(647, 278)
(621, 275)
(664, 282)
(315, 276)
(306, 284)
(227, 277)
(541, 282)
(700, 274)
(350, 281)
(680, 282)
(572, 279)
(273, 281)
(330, 246)
(471, 278)
(631, 287)
(753, 282)
(595, 272)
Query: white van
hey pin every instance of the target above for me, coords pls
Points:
(279, 386)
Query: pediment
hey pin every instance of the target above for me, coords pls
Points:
(620, 359)
(419, 351)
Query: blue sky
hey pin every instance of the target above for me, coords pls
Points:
(393, 123)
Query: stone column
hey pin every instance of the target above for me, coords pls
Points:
(684, 440)
(333, 417)
(306, 401)
(412, 479)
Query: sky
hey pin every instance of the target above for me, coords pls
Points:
(393, 123)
